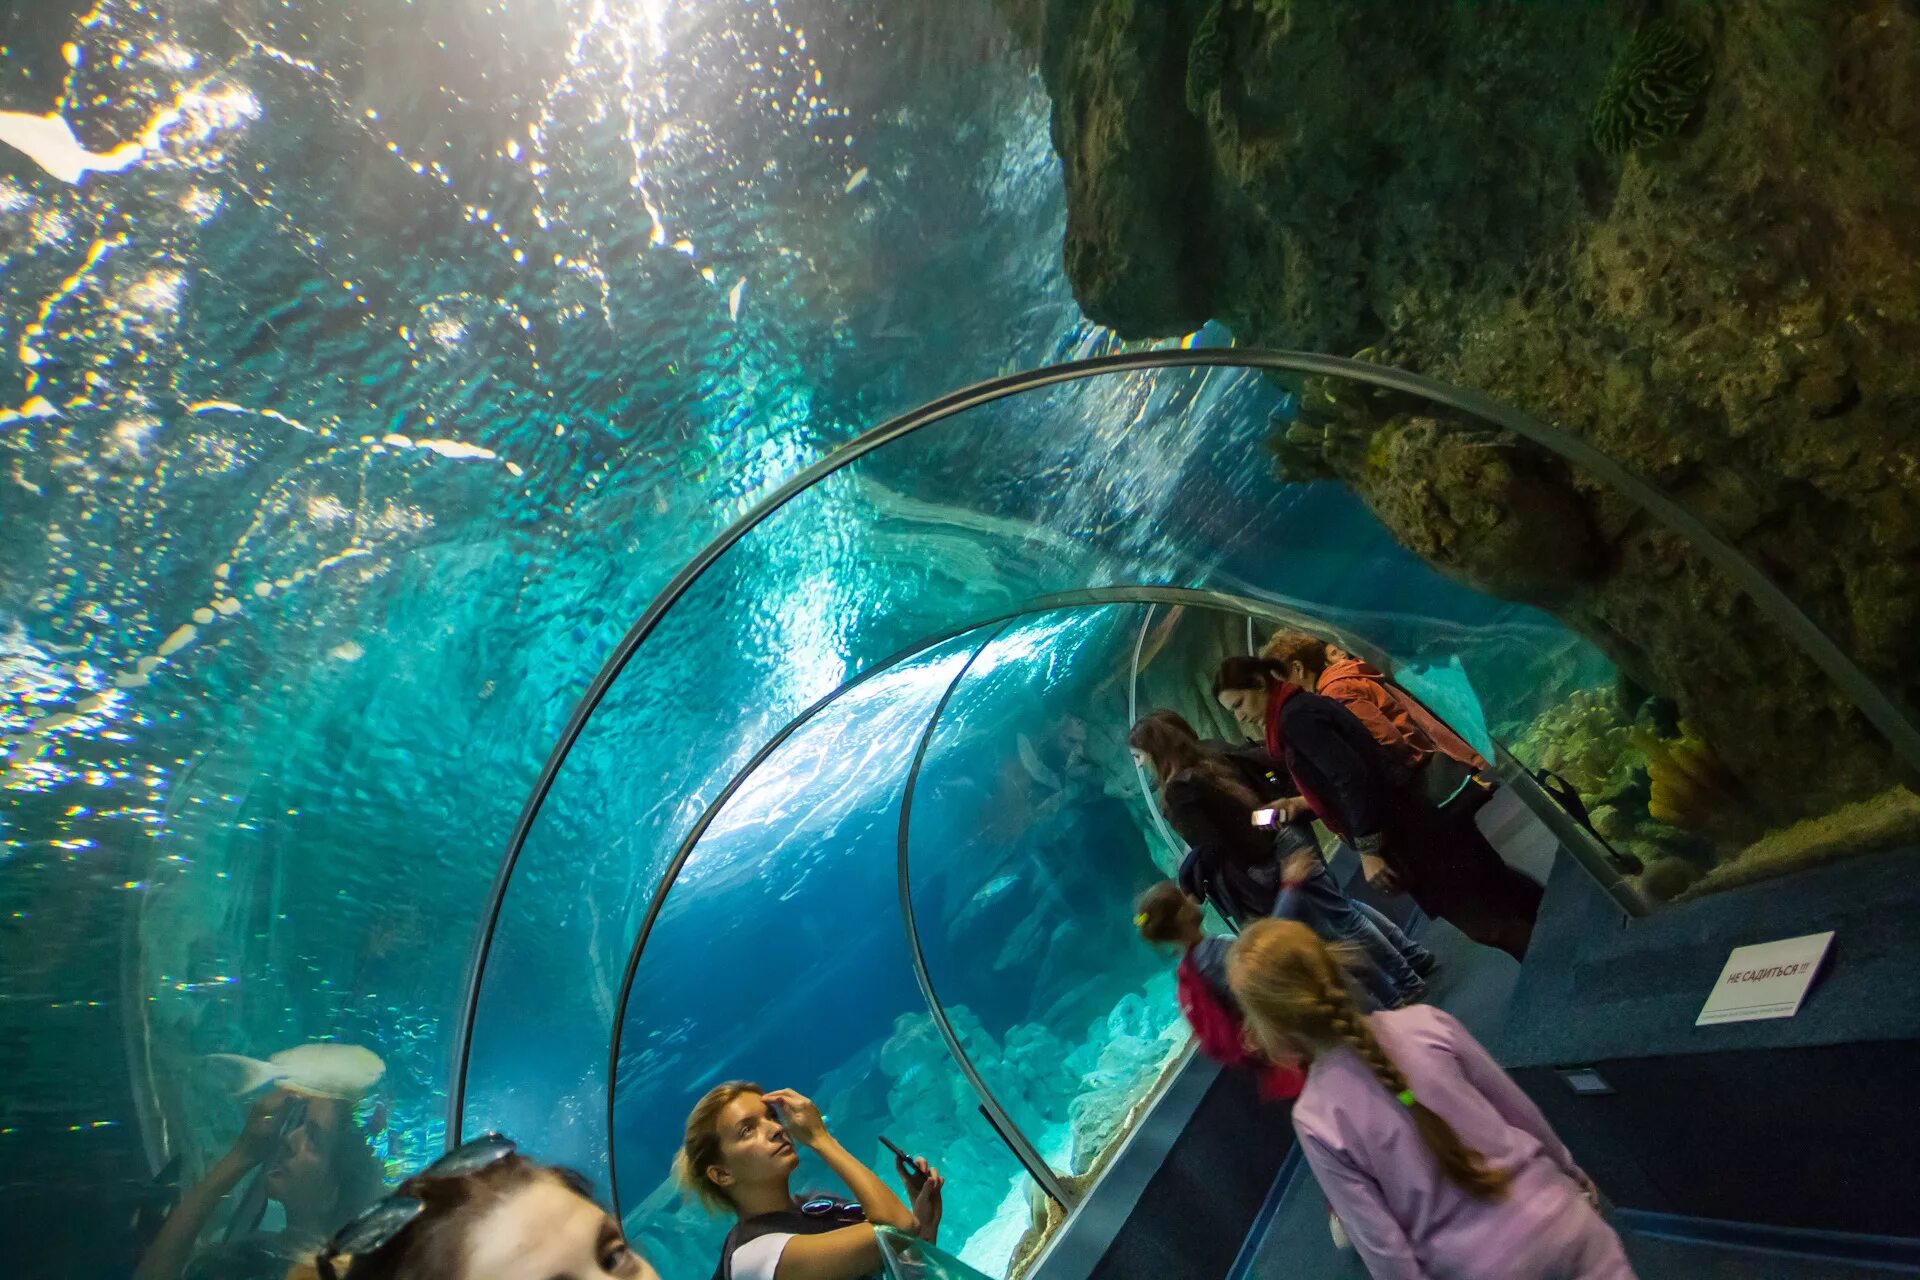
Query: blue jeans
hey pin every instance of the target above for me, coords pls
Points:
(1319, 903)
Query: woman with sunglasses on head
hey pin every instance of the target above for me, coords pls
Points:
(741, 1150)
(481, 1212)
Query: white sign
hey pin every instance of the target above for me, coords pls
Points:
(1765, 981)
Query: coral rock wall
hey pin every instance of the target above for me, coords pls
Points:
(1731, 308)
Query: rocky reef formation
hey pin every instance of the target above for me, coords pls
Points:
(1729, 306)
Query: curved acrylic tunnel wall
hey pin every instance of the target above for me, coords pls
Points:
(1051, 495)
(881, 567)
(1134, 476)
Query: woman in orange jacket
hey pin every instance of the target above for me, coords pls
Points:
(1479, 893)
(1420, 742)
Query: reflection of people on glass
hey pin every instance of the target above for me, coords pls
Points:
(741, 1150)
(308, 1156)
(1436, 1162)
(481, 1212)
(1370, 800)
(1209, 797)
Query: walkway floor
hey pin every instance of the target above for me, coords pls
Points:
(1474, 984)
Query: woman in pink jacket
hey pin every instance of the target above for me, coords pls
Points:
(1437, 1163)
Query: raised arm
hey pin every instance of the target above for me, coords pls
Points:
(805, 1127)
(166, 1258)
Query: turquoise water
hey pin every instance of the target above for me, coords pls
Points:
(354, 415)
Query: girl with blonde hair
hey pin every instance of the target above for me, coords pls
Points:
(1437, 1163)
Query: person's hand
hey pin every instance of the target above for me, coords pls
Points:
(800, 1116)
(1298, 866)
(260, 1137)
(1293, 808)
(1379, 875)
(928, 1202)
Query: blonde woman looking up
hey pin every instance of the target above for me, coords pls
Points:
(741, 1149)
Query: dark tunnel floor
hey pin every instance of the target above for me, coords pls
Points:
(1474, 984)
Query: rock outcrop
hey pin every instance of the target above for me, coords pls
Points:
(1730, 308)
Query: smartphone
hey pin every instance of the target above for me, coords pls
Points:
(1265, 817)
(907, 1167)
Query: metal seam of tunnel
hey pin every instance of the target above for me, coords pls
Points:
(1016, 1139)
(1880, 708)
(1591, 860)
(1092, 597)
(1133, 717)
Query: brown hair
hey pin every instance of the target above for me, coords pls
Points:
(1286, 980)
(1175, 750)
(434, 1245)
(1297, 646)
(1165, 914)
(1246, 673)
(700, 1148)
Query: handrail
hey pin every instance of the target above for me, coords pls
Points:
(1016, 1139)
(1880, 708)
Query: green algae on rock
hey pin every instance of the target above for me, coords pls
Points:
(1654, 88)
(1206, 57)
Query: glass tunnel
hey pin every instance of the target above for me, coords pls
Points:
(588, 550)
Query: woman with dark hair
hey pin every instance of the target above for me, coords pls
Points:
(739, 1155)
(1371, 801)
(1248, 871)
(481, 1212)
(1436, 1162)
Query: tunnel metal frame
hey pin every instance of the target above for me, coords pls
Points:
(1576, 840)
(1880, 708)
(1012, 1134)
(1057, 602)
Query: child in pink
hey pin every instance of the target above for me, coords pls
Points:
(1437, 1163)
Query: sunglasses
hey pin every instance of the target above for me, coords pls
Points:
(390, 1216)
(827, 1207)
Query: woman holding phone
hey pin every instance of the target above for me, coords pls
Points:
(739, 1155)
(1253, 853)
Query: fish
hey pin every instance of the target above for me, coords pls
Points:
(733, 298)
(1030, 761)
(859, 177)
(49, 142)
(344, 1071)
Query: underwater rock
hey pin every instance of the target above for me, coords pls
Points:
(1131, 262)
(1734, 321)
(1667, 878)
(1886, 821)
(1206, 57)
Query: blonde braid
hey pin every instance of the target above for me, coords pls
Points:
(1288, 981)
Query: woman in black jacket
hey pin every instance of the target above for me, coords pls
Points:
(1404, 843)
(1209, 797)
